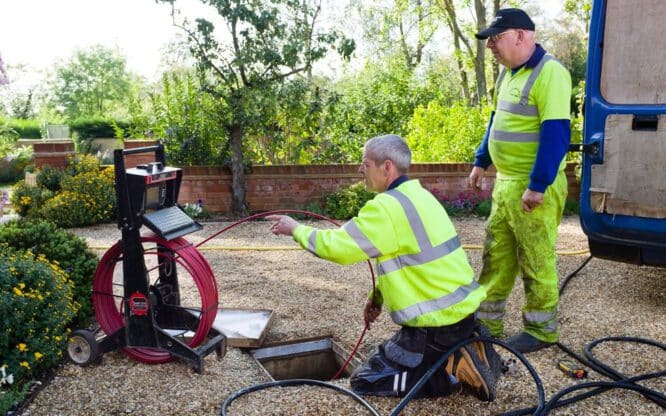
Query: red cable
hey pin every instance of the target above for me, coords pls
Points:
(321, 217)
(358, 344)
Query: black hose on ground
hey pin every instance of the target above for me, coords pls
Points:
(543, 407)
(412, 392)
(621, 381)
(574, 273)
(602, 387)
(296, 382)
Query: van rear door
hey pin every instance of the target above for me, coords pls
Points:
(623, 189)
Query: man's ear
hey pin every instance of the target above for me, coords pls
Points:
(520, 36)
(388, 166)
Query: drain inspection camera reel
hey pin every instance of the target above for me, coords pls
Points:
(155, 296)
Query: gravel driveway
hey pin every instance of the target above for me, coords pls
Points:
(312, 297)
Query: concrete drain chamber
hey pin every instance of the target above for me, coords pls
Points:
(311, 358)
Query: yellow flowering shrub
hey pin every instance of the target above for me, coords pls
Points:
(85, 199)
(36, 305)
(27, 200)
(67, 250)
(81, 194)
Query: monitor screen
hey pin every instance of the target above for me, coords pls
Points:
(154, 197)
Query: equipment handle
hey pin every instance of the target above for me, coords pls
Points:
(119, 154)
(145, 149)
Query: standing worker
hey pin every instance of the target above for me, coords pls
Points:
(424, 281)
(527, 139)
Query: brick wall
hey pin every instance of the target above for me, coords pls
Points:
(297, 186)
(286, 186)
(54, 153)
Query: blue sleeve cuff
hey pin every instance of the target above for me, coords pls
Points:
(538, 187)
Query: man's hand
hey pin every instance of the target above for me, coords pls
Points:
(371, 311)
(475, 177)
(283, 224)
(531, 200)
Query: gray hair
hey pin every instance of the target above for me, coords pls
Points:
(389, 147)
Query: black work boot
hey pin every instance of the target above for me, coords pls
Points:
(486, 351)
(525, 342)
(474, 375)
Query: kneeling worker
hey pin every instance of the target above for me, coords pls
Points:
(424, 281)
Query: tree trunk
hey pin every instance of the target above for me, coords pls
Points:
(238, 203)
(480, 58)
(496, 7)
(452, 21)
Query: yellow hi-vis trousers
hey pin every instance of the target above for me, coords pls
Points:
(519, 241)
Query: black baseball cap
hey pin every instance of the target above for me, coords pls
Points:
(504, 20)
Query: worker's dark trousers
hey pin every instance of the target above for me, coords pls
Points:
(396, 365)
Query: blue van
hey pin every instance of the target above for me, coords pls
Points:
(623, 188)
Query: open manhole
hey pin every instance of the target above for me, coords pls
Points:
(314, 359)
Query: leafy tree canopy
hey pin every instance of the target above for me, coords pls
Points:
(266, 42)
(92, 82)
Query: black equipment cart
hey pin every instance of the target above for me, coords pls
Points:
(155, 295)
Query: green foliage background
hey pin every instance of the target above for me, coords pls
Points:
(441, 133)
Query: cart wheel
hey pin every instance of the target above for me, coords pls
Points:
(82, 347)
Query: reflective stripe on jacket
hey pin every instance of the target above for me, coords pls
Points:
(523, 101)
(424, 277)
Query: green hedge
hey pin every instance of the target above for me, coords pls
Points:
(96, 127)
(26, 129)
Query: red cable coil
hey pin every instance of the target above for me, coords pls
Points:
(109, 315)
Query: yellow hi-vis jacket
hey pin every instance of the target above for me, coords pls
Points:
(423, 276)
(523, 102)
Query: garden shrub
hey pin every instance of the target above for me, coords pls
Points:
(14, 165)
(346, 202)
(13, 160)
(27, 200)
(70, 252)
(49, 177)
(36, 305)
(82, 163)
(482, 209)
(8, 137)
(85, 195)
(446, 133)
(465, 203)
(85, 199)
